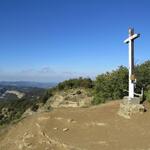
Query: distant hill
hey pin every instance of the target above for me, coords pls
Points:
(15, 100)
(9, 92)
(28, 84)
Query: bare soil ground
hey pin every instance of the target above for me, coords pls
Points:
(94, 128)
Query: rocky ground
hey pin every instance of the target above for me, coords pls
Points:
(71, 98)
(94, 128)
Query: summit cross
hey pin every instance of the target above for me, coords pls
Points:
(132, 79)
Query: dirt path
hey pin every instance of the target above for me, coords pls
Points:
(95, 128)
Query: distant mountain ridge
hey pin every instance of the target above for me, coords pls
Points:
(28, 84)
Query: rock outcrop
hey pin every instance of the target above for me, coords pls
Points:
(70, 98)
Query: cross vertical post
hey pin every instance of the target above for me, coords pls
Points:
(130, 42)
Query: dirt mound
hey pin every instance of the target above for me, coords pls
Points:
(94, 128)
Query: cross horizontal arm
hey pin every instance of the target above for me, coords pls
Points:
(133, 37)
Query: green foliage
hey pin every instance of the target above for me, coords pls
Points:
(34, 107)
(147, 95)
(75, 83)
(111, 85)
(142, 72)
(78, 92)
(143, 75)
(46, 96)
(13, 108)
(98, 98)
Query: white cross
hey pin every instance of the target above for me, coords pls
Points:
(132, 78)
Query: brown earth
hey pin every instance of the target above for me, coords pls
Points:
(94, 128)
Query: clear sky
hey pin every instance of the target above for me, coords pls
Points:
(52, 40)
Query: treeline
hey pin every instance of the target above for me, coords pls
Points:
(143, 78)
(114, 85)
(111, 85)
(76, 83)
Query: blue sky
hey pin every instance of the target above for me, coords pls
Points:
(53, 40)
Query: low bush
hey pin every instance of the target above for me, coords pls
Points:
(147, 95)
(98, 99)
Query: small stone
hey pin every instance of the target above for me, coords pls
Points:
(70, 120)
(55, 128)
(65, 129)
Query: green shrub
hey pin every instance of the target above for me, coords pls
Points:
(142, 72)
(110, 86)
(35, 107)
(147, 95)
(78, 92)
(46, 96)
(76, 83)
(98, 99)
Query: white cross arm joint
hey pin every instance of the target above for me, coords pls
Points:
(133, 37)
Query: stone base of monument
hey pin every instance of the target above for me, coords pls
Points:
(130, 107)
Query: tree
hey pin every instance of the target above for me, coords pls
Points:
(111, 85)
(143, 75)
(142, 72)
(76, 83)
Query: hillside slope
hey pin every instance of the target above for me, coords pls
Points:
(94, 128)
